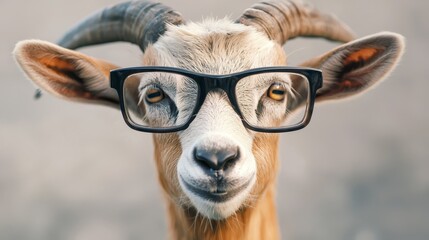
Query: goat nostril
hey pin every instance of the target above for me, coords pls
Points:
(216, 159)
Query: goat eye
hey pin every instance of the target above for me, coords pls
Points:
(277, 92)
(154, 95)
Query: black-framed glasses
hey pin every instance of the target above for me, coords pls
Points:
(166, 99)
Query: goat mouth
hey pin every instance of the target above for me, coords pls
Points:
(219, 194)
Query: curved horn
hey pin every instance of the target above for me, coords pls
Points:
(283, 20)
(138, 22)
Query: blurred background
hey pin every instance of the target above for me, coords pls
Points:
(73, 171)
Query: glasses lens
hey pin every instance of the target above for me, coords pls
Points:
(159, 99)
(273, 100)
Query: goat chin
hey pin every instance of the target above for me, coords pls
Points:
(219, 210)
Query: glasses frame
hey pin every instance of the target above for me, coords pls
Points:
(208, 82)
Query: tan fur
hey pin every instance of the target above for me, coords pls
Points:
(59, 71)
(230, 50)
(358, 66)
(216, 47)
(256, 220)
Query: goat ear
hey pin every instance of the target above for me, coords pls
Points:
(355, 67)
(65, 73)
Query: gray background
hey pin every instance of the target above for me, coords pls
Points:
(74, 171)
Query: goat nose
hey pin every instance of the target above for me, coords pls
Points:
(216, 159)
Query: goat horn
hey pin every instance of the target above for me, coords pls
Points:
(138, 22)
(283, 20)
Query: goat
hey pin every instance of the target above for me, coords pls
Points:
(216, 168)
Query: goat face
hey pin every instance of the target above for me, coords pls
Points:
(216, 166)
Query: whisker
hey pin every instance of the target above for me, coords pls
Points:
(295, 51)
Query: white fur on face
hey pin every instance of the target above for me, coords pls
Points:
(216, 47)
(216, 126)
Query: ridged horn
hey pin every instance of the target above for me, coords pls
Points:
(138, 22)
(283, 20)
